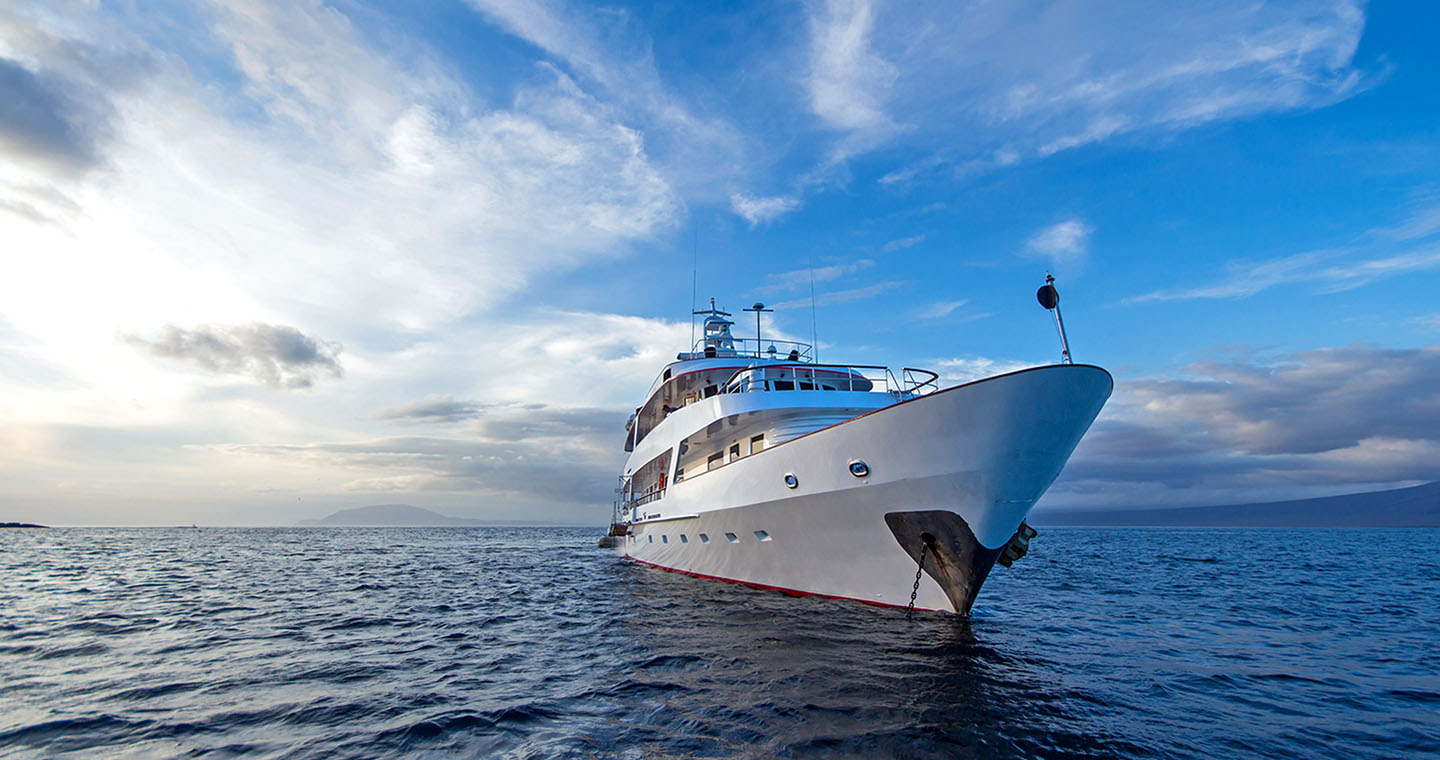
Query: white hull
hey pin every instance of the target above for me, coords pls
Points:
(984, 451)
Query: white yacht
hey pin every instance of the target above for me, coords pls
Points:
(761, 466)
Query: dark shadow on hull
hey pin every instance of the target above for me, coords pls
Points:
(952, 554)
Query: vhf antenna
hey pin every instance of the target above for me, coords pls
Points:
(1049, 297)
(757, 308)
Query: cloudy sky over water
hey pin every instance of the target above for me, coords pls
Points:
(259, 261)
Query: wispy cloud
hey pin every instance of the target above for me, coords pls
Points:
(847, 79)
(965, 74)
(801, 278)
(836, 297)
(939, 309)
(1429, 321)
(1315, 267)
(759, 210)
(1062, 243)
(697, 148)
(900, 243)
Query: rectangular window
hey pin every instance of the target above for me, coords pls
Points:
(679, 474)
(690, 398)
(732, 538)
(652, 539)
(716, 460)
(704, 539)
(757, 443)
(711, 390)
(734, 451)
(683, 539)
(762, 535)
(664, 539)
(784, 385)
(806, 386)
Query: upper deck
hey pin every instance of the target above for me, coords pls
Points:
(719, 363)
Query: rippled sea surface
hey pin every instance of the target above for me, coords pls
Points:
(478, 642)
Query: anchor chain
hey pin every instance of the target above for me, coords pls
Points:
(915, 589)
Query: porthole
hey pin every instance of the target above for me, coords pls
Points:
(790, 480)
(859, 469)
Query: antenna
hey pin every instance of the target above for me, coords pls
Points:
(757, 308)
(694, 277)
(814, 341)
(1049, 297)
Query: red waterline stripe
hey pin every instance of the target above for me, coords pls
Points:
(781, 589)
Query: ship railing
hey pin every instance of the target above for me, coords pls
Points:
(643, 499)
(843, 377)
(751, 348)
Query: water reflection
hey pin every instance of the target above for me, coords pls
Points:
(730, 668)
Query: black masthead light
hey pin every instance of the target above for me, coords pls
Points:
(1049, 297)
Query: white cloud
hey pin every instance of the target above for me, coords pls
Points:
(847, 79)
(1063, 242)
(1324, 269)
(905, 242)
(360, 192)
(698, 150)
(939, 309)
(964, 369)
(759, 210)
(985, 84)
(801, 278)
(848, 295)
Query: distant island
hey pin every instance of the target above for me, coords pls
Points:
(1415, 507)
(20, 525)
(405, 516)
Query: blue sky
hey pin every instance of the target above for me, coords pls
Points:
(266, 260)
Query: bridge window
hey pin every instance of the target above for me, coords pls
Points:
(784, 385)
(716, 460)
(757, 443)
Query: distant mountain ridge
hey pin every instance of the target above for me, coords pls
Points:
(1414, 507)
(403, 516)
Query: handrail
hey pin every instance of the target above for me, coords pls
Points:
(646, 498)
(909, 385)
(756, 349)
(914, 385)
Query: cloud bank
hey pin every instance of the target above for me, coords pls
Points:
(1242, 425)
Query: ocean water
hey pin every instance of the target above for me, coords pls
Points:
(528, 643)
